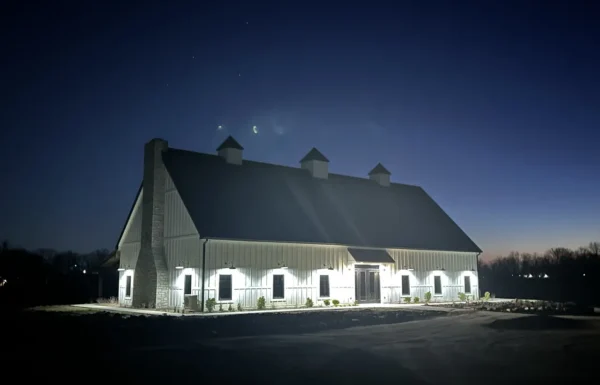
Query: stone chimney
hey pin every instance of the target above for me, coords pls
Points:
(316, 164)
(231, 151)
(150, 278)
(380, 175)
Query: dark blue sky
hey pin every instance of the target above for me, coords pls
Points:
(491, 106)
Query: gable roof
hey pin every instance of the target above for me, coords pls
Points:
(379, 169)
(230, 143)
(314, 154)
(267, 202)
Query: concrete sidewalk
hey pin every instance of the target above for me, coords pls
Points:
(126, 310)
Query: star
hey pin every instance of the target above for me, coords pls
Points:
(255, 129)
(219, 127)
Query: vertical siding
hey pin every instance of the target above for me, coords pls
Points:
(182, 246)
(257, 262)
(133, 228)
(425, 265)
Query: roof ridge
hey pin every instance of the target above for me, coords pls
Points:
(294, 168)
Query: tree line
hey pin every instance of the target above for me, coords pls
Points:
(47, 276)
(559, 274)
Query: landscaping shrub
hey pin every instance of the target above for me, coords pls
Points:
(239, 307)
(416, 300)
(230, 308)
(210, 304)
(427, 297)
(355, 303)
(486, 296)
(261, 303)
(406, 299)
(326, 302)
(220, 307)
(335, 302)
(462, 297)
(309, 302)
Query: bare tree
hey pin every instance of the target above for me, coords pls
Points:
(594, 248)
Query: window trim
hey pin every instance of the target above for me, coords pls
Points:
(441, 293)
(282, 287)
(402, 285)
(328, 286)
(465, 284)
(184, 284)
(128, 285)
(219, 299)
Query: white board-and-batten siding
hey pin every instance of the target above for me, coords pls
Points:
(256, 263)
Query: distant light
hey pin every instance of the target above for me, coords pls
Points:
(546, 276)
(3, 282)
(84, 271)
(584, 274)
(255, 129)
(219, 127)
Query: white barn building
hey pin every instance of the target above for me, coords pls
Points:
(220, 226)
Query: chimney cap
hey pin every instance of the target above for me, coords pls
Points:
(379, 169)
(230, 143)
(314, 154)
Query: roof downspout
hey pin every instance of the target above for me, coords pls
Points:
(203, 274)
(477, 270)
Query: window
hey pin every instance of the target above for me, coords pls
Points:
(437, 284)
(187, 285)
(467, 284)
(278, 290)
(128, 286)
(405, 285)
(324, 286)
(224, 287)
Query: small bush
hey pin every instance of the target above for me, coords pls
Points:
(272, 305)
(326, 302)
(210, 304)
(309, 302)
(220, 307)
(108, 301)
(355, 303)
(261, 303)
(406, 299)
(416, 300)
(230, 308)
(335, 302)
(486, 296)
(239, 307)
(427, 297)
(462, 297)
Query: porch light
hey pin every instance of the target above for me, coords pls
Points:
(282, 265)
(121, 269)
(330, 267)
(472, 270)
(179, 267)
(232, 267)
(406, 267)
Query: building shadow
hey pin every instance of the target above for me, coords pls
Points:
(539, 322)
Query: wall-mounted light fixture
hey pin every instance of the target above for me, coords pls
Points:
(441, 269)
(281, 265)
(121, 269)
(406, 267)
(472, 270)
(230, 265)
(179, 266)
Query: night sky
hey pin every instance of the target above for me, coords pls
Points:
(491, 106)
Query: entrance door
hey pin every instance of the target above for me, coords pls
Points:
(367, 284)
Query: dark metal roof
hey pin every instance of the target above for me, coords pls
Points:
(314, 154)
(260, 201)
(230, 143)
(370, 255)
(379, 169)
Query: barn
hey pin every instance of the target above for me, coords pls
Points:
(218, 226)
